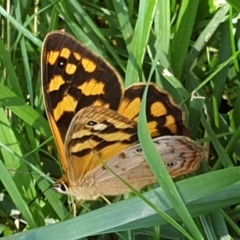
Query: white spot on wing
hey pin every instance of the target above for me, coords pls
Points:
(99, 127)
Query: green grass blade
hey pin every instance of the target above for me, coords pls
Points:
(139, 40)
(134, 213)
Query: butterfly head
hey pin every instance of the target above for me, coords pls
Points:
(62, 186)
(80, 191)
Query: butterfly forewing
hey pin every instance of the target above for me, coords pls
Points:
(73, 77)
(97, 134)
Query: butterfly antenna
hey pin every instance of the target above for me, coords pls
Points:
(38, 195)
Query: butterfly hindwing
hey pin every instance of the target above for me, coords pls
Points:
(181, 155)
(98, 135)
(164, 116)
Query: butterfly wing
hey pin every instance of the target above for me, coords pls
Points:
(180, 154)
(99, 134)
(164, 116)
(73, 77)
(96, 134)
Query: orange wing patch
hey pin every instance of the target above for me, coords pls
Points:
(88, 65)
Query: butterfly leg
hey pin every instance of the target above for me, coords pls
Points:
(105, 199)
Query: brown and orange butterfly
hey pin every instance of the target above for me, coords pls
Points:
(94, 120)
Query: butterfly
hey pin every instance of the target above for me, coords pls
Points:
(94, 123)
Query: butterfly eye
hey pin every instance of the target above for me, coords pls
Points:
(91, 123)
(171, 164)
(62, 62)
(63, 187)
(60, 187)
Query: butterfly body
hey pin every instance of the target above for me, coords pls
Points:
(94, 122)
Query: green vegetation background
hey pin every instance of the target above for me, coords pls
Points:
(191, 49)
